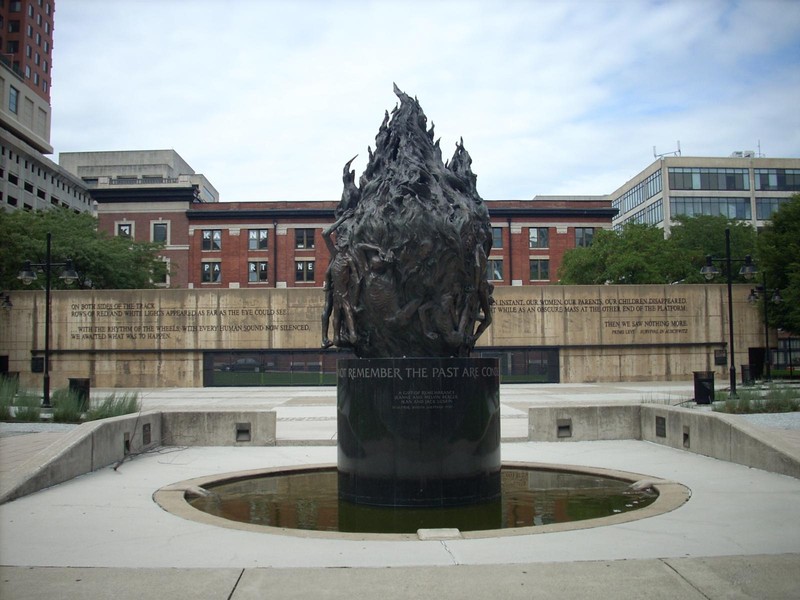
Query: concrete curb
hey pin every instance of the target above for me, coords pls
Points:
(98, 444)
(713, 434)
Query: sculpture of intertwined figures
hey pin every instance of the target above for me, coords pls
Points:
(409, 247)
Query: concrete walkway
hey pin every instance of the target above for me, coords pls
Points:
(102, 536)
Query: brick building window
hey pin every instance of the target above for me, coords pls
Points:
(160, 232)
(303, 239)
(257, 272)
(538, 237)
(494, 269)
(211, 272)
(497, 237)
(304, 270)
(13, 99)
(584, 237)
(257, 239)
(125, 230)
(161, 275)
(540, 269)
(212, 239)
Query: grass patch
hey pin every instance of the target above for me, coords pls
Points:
(775, 399)
(665, 400)
(782, 399)
(115, 405)
(794, 373)
(67, 406)
(28, 407)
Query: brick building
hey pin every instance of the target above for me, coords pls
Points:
(155, 196)
(280, 244)
(144, 195)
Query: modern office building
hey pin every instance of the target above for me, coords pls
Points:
(31, 181)
(742, 186)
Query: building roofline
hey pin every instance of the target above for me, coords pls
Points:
(553, 212)
(119, 194)
(210, 215)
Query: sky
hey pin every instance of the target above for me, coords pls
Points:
(269, 99)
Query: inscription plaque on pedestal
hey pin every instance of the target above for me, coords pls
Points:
(418, 431)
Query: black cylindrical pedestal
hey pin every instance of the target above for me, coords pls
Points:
(419, 431)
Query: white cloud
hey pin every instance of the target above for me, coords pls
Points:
(268, 99)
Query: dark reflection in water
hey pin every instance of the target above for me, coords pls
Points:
(309, 500)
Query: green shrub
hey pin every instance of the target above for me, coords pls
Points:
(775, 399)
(747, 402)
(67, 406)
(728, 406)
(28, 407)
(114, 406)
(8, 389)
(781, 399)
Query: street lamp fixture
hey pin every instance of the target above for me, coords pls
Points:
(748, 271)
(28, 275)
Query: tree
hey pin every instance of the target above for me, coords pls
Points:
(102, 261)
(639, 253)
(779, 257)
(694, 238)
(636, 254)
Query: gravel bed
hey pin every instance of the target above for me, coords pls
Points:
(8, 429)
(790, 420)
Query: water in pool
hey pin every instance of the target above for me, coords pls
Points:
(530, 497)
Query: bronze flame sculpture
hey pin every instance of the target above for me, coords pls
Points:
(408, 269)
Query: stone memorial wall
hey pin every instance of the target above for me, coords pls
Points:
(156, 338)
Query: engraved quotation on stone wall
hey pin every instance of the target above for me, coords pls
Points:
(621, 316)
(121, 312)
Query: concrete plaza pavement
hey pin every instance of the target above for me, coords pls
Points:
(101, 535)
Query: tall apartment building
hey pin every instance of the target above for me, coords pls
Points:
(28, 179)
(742, 186)
(26, 37)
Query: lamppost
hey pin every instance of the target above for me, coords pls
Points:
(755, 294)
(748, 270)
(28, 275)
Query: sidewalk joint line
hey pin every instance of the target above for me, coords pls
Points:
(235, 585)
